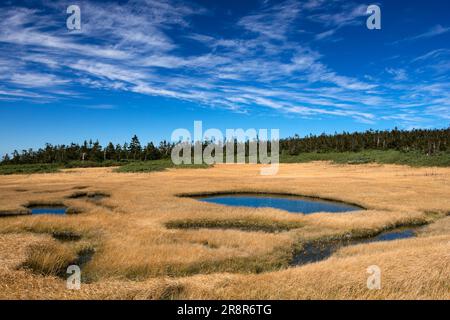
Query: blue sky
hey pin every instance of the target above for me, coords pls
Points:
(150, 67)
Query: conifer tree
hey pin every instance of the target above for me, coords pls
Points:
(135, 147)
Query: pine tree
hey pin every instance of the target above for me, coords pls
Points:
(110, 152)
(151, 152)
(135, 147)
(118, 152)
(6, 159)
(125, 150)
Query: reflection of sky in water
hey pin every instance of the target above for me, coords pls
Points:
(314, 252)
(395, 235)
(291, 204)
(48, 210)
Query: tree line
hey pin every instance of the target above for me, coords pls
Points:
(430, 142)
(91, 151)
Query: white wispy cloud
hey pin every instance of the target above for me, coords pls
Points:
(433, 32)
(398, 74)
(100, 106)
(132, 47)
(325, 34)
(348, 14)
(272, 22)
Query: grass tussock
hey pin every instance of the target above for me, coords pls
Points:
(171, 291)
(244, 225)
(50, 259)
(53, 258)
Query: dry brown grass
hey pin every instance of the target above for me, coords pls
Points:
(138, 257)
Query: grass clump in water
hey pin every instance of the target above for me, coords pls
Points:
(53, 258)
(49, 259)
(238, 224)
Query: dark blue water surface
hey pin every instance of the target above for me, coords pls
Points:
(318, 251)
(288, 203)
(50, 210)
(395, 235)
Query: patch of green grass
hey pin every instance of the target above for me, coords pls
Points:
(28, 168)
(124, 166)
(92, 164)
(156, 165)
(244, 225)
(412, 158)
(6, 169)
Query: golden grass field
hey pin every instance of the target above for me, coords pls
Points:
(138, 257)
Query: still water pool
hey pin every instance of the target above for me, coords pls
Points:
(294, 204)
(48, 210)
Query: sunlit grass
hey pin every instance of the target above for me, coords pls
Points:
(213, 251)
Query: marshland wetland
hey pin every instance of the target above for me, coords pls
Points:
(146, 236)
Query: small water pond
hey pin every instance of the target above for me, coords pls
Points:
(293, 204)
(318, 251)
(48, 210)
